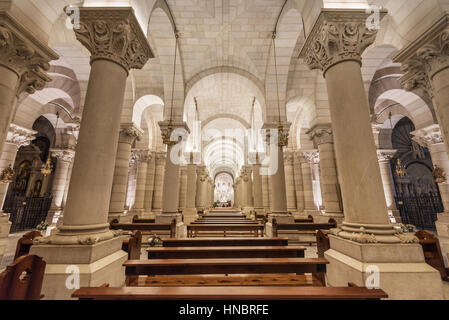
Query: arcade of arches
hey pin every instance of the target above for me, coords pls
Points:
(366, 109)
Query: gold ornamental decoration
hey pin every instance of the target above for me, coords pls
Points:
(47, 168)
(166, 135)
(7, 175)
(439, 175)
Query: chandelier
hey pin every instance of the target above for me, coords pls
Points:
(400, 169)
(166, 137)
(47, 168)
(7, 175)
(282, 133)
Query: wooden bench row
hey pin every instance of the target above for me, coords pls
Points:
(194, 230)
(302, 226)
(145, 227)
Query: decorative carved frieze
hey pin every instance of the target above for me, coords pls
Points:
(129, 133)
(425, 57)
(321, 135)
(19, 136)
(428, 136)
(63, 155)
(22, 53)
(385, 155)
(338, 35)
(113, 33)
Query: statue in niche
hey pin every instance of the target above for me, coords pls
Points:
(23, 176)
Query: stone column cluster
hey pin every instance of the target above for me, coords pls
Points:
(384, 157)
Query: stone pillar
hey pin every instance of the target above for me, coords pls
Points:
(128, 135)
(159, 181)
(299, 185)
(16, 138)
(290, 182)
(182, 188)
(84, 239)
(247, 190)
(24, 63)
(199, 186)
(432, 138)
(149, 189)
(306, 159)
(366, 238)
(64, 159)
(170, 195)
(384, 158)
(322, 138)
(190, 213)
(143, 156)
(257, 189)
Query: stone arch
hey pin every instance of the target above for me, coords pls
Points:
(245, 124)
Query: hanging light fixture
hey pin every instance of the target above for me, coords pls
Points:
(47, 168)
(400, 169)
(167, 136)
(282, 133)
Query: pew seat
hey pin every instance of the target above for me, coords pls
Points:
(145, 227)
(256, 230)
(229, 293)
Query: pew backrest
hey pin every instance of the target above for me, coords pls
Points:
(23, 279)
(133, 245)
(302, 226)
(432, 252)
(24, 244)
(323, 243)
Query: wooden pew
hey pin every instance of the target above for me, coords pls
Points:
(256, 229)
(24, 244)
(15, 286)
(432, 252)
(323, 243)
(145, 227)
(133, 246)
(230, 293)
(242, 266)
(224, 222)
(225, 252)
(223, 242)
(309, 219)
(302, 226)
(136, 219)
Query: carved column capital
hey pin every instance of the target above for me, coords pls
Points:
(20, 136)
(114, 34)
(385, 155)
(338, 35)
(425, 57)
(311, 156)
(129, 133)
(173, 132)
(66, 155)
(142, 155)
(428, 136)
(321, 134)
(22, 53)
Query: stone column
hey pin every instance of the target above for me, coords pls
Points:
(182, 188)
(128, 135)
(290, 182)
(257, 189)
(306, 158)
(24, 63)
(16, 138)
(190, 213)
(64, 159)
(299, 186)
(432, 138)
(149, 189)
(247, 190)
(117, 44)
(384, 158)
(143, 156)
(159, 182)
(366, 238)
(322, 138)
(266, 193)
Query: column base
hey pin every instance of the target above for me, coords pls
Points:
(121, 217)
(280, 218)
(190, 215)
(138, 212)
(337, 216)
(442, 226)
(167, 218)
(404, 275)
(98, 264)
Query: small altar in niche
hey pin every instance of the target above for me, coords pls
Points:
(224, 190)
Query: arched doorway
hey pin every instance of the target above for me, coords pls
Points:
(224, 189)
(417, 195)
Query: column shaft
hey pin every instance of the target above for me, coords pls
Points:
(149, 189)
